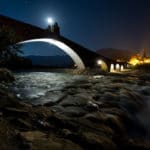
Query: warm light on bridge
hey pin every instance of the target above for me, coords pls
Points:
(102, 65)
(99, 62)
(117, 67)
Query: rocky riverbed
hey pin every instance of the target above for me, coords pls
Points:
(94, 112)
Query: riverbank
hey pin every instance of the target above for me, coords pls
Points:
(95, 112)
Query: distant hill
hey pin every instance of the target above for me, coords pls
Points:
(116, 53)
(52, 61)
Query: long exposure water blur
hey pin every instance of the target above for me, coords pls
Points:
(109, 104)
(41, 87)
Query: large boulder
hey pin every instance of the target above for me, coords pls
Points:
(6, 75)
(8, 99)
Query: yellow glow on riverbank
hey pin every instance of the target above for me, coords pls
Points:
(139, 59)
(135, 61)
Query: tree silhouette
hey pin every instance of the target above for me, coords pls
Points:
(8, 46)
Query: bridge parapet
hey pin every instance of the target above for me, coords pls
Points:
(24, 30)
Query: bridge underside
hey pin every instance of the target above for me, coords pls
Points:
(77, 60)
(80, 55)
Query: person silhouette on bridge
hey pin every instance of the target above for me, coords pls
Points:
(56, 28)
(49, 28)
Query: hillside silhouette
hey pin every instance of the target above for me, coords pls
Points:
(117, 53)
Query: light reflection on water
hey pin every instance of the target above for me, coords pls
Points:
(36, 85)
(42, 87)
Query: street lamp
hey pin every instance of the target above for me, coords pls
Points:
(99, 62)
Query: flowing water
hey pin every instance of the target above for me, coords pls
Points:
(41, 87)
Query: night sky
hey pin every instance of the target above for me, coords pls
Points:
(95, 24)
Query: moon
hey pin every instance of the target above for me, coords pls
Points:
(50, 20)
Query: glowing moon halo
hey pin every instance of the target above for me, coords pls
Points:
(50, 20)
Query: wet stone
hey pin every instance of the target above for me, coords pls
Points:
(22, 124)
(92, 106)
(43, 125)
(9, 111)
(40, 141)
(90, 114)
(74, 111)
(97, 142)
(78, 100)
(6, 75)
(145, 90)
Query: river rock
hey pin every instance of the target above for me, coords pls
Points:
(39, 141)
(22, 124)
(97, 142)
(8, 136)
(8, 99)
(145, 90)
(92, 106)
(80, 100)
(110, 120)
(138, 144)
(9, 111)
(73, 111)
(6, 75)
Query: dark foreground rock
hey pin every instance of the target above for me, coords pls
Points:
(6, 75)
(91, 116)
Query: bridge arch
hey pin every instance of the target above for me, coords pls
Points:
(69, 51)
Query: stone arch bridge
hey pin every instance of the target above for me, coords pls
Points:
(81, 56)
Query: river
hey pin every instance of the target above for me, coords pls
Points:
(41, 87)
(71, 93)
